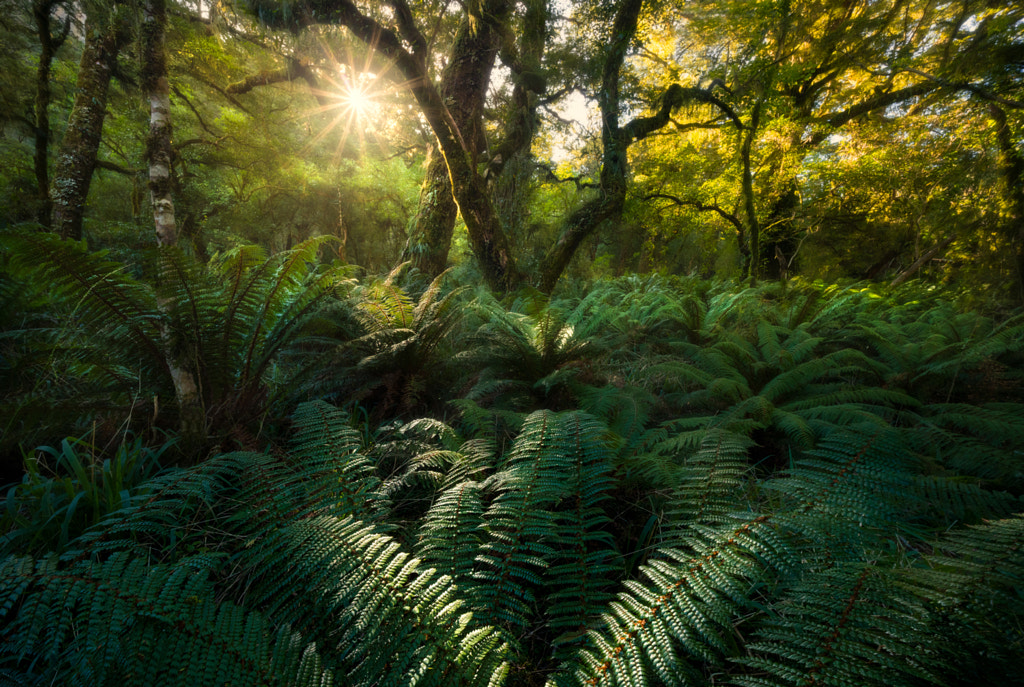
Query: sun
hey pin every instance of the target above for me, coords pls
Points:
(357, 96)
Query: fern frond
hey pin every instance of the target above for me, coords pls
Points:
(950, 500)
(100, 292)
(452, 531)
(327, 449)
(372, 606)
(856, 477)
(710, 480)
(128, 622)
(520, 521)
(972, 583)
(686, 605)
(848, 625)
(584, 557)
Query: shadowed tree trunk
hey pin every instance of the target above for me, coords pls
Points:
(1011, 165)
(76, 158)
(49, 43)
(753, 269)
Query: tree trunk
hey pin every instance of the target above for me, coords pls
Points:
(616, 141)
(430, 237)
(753, 228)
(76, 158)
(463, 89)
(159, 153)
(923, 260)
(1011, 165)
(42, 13)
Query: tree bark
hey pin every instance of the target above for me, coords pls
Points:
(76, 158)
(42, 13)
(923, 260)
(463, 88)
(1011, 166)
(616, 141)
(159, 153)
(753, 227)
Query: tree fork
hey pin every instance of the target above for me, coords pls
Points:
(463, 89)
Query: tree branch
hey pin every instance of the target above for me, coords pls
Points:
(920, 262)
(983, 93)
(699, 206)
(881, 100)
(408, 30)
(114, 167)
(199, 117)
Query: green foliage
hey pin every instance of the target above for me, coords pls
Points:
(534, 353)
(143, 620)
(393, 364)
(775, 513)
(67, 489)
(226, 323)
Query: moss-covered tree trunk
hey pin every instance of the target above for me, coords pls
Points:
(1011, 164)
(616, 140)
(753, 269)
(76, 158)
(463, 89)
(42, 14)
(160, 155)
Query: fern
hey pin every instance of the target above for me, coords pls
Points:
(226, 323)
(452, 532)
(521, 521)
(851, 624)
(395, 362)
(972, 583)
(765, 498)
(584, 559)
(132, 623)
(324, 444)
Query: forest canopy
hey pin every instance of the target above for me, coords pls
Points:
(830, 140)
(512, 342)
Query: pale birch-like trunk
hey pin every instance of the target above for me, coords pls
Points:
(160, 155)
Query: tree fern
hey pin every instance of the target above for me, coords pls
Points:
(531, 355)
(226, 322)
(695, 589)
(403, 347)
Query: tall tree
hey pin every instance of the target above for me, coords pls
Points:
(159, 154)
(105, 34)
(463, 88)
(398, 39)
(50, 40)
